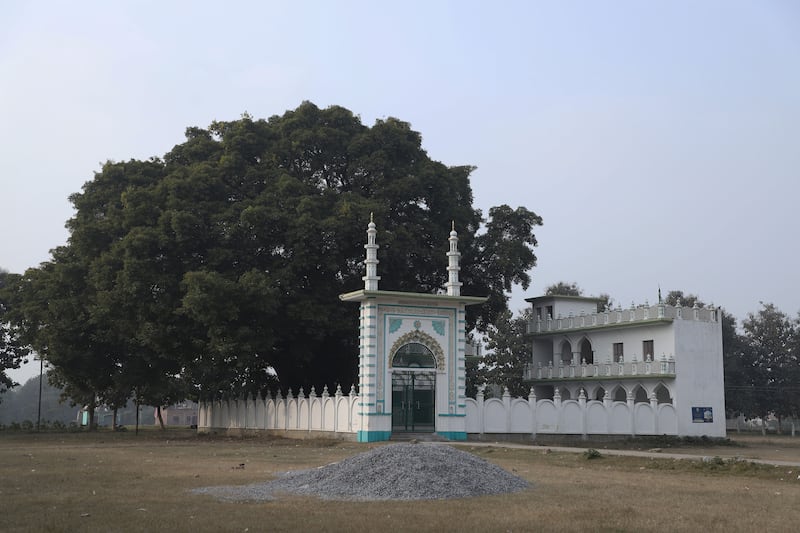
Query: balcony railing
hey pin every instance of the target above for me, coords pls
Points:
(608, 370)
(621, 316)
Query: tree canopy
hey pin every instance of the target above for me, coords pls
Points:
(563, 288)
(216, 269)
(13, 349)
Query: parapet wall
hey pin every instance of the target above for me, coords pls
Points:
(623, 316)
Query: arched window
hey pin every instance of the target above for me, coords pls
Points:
(640, 395)
(662, 394)
(587, 354)
(600, 393)
(413, 355)
(620, 395)
(566, 353)
(565, 395)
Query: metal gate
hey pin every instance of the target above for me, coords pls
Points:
(413, 401)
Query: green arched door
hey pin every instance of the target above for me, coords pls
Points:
(413, 389)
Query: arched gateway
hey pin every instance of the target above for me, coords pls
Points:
(412, 370)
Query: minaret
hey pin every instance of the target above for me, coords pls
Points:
(453, 256)
(371, 279)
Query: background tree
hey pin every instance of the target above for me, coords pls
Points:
(738, 394)
(507, 352)
(563, 288)
(22, 402)
(769, 351)
(13, 350)
(686, 300)
(217, 268)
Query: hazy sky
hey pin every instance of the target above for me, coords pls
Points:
(660, 141)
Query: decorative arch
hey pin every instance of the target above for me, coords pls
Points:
(662, 394)
(587, 354)
(419, 337)
(620, 394)
(565, 352)
(640, 395)
(599, 394)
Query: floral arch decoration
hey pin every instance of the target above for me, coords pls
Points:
(424, 339)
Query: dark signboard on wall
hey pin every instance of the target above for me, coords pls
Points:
(702, 414)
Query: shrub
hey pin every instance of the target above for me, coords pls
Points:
(591, 453)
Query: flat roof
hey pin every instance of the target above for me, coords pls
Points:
(565, 297)
(360, 295)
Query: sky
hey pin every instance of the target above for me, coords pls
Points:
(659, 141)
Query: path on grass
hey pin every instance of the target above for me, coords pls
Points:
(761, 455)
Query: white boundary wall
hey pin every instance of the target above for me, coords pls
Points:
(570, 417)
(337, 416)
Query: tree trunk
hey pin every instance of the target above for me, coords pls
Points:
(160, 419)
(763, 426)
(114, 420)
(90, 411)
(137, 415)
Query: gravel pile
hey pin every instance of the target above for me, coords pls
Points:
(391, 472)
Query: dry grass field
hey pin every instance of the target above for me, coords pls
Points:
(123, 482)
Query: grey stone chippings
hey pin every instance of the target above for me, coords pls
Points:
(391, 472)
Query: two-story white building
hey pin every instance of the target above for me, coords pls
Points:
(649, 369)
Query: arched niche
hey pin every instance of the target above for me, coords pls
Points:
(587, 354)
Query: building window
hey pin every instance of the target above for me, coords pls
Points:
(539, 313)
(647, 349)
(618, 353)
(549, 311)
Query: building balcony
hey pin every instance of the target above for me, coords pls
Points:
(662, 368)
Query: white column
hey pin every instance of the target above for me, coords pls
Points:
(371, 278)
(453, 256)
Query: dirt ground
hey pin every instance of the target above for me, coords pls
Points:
(123, 482)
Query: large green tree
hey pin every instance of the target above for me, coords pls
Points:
(216, 270)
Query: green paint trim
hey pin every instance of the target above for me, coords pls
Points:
(448, 415)
(453, 435)
(376, 436)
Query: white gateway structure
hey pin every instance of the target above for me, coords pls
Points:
(412, 370)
